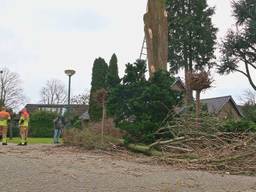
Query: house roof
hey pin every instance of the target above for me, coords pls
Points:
(78, 109)
(178, 84)
(56, 105)
(214, 105)
(85, 116)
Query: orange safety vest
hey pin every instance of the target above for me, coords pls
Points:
(24, 119)
(4, 117)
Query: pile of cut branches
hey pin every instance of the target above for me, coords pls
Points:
(207, 147)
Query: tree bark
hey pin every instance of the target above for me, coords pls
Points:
(198, 107)
(144, 149)
(156, 33)
(189, 91)
(103, 121)
(189, 67)
(249, 76)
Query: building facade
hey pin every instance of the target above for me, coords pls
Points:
(76, 109)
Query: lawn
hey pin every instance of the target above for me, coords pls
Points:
(33, 140)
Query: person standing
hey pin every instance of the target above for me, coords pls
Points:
(59, 124)
(5, 117)
(23, 124)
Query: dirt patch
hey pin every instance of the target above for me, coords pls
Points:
(49, 168)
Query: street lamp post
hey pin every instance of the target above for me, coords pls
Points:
(69, 73)
(1, 99)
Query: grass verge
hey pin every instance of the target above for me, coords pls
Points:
(16, 140)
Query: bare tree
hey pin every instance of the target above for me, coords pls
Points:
(81, 98)
(101, 96)
(249, 97)
(54, 92)
(11, 93)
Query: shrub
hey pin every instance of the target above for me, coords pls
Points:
(249, 112)
(139, 131)
(239, 126)
(41, 124)
(139, 106)
(75, 122)
(88, 139)
(109, 128)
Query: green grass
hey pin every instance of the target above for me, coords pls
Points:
(33, 140)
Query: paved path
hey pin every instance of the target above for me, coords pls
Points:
(47, 168)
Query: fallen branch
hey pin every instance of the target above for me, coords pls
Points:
(166, 142)
(179, 148)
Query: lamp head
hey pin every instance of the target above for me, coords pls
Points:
(70, 72)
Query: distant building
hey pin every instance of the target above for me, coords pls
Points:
(223, 107)
(178, 85)
(85, 118)
(77, 110)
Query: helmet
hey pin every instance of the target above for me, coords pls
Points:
(24, 112)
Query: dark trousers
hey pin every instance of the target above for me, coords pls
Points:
(56, 136)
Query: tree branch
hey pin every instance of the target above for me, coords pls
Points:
(249, 76)
(242, 72)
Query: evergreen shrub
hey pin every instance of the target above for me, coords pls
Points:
(41, 124)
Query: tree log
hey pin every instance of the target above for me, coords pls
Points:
(144, 149)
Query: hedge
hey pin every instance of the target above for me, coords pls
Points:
(41, 124)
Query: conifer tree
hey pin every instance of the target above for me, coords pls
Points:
(140, 106)
(99, 76)
(113, 77)
(192, 37)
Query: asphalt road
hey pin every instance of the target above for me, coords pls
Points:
(49, 168)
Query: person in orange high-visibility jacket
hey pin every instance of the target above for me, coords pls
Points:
(23, 124)
(5, 117)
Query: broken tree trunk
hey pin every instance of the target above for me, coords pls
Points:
(199, 81)
(156, 33)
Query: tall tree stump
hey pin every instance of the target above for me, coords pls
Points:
(156, 33)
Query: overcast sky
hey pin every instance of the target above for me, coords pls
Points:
(39, 39)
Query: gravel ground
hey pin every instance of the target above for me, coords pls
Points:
(48, 168)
